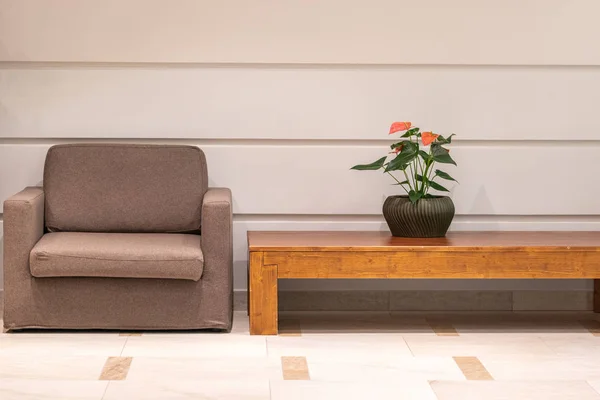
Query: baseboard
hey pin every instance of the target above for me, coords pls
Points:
(429, 300)
(425, 300)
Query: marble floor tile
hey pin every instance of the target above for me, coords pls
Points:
(574, 346)
(152, 369)
(241, 323)
(476, 345)
(313, 390)
(53, 367)
(66, 345)
(382, 371)
(18, 389)
(340, 347)
(523, 390)
(195, 345)
(542, 367)
(534, 325)
(357, 323)
(595, 384)
(199, 388)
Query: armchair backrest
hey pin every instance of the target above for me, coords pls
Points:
(124, 188)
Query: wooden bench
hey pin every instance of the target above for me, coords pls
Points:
(460, 255)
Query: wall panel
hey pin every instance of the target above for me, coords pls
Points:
(357, 103)
(517, 32)
(306, 179)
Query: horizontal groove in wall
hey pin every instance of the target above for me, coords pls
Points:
(378, 218)
(239, 65)
(294, 142)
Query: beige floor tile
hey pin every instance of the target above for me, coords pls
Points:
(340, 347)
(314, 390)
(499, 390)
(542, 368)
(19, 389)
(199, 388)
(54, 367)
(385, 371)
(473, 369)
(66, 345)
(152, 369)
(195, 345)
(476, 345)
(115, 369)
(442, 327)
(295, 369)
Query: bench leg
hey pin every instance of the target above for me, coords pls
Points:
(262, 303)
(597, 295)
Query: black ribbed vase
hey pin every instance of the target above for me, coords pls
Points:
(430, 217)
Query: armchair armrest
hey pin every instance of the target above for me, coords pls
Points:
(217, 231)
(23, 228)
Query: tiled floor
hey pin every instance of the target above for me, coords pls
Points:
(496, 355)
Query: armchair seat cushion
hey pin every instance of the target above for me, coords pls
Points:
(117, 255)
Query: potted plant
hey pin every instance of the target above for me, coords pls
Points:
(417, 213)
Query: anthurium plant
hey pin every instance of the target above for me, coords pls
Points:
(415, 156)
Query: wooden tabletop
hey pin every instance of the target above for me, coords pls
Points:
(454, 241)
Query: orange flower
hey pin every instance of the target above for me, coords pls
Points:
(399, 126)
(428, 138)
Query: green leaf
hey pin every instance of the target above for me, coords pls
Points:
(370, 167)
(398, 144)
(444, 175)
(437, 186)
(402, 183)
(441, 155)
(408, 153)
(442, 140)
(411, 132)
(414, 196)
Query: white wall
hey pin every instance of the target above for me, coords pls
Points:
(285, 96)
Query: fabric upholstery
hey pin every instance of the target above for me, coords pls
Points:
(117, 255)
(114, 303)
(23, 227)
(217, 248)
(124, 188)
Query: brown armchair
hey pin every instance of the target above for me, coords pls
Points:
(120, 236)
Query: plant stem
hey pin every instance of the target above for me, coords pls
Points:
(399, 183)
(408, 180)
(412, 174)
(426, 174)
(421, 168)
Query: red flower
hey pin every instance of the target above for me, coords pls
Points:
(399, 126)
(398, 149)
(428, 138)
